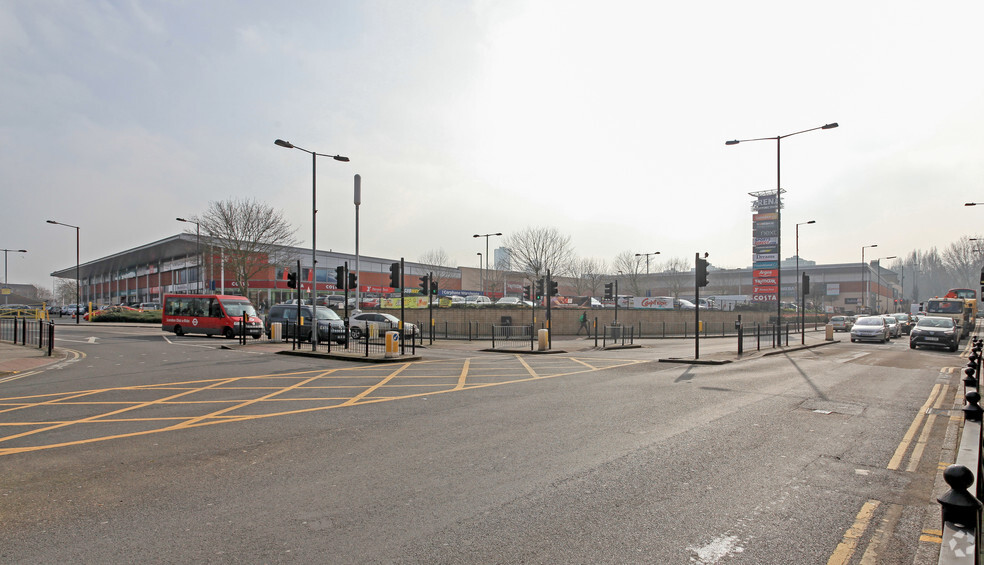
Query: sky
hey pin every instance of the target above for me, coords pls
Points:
(606, 121)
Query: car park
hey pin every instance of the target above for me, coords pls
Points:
(894, 329)
(375, 322)
(936, 331)
(842, 323)
(330, 325)
(870, 328)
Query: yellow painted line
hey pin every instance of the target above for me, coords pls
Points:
(463, 376)
(917, 450)
(883, 535)
(896, 460)
(932, 536)
(375, 387)
(529, 369)
(845, 549)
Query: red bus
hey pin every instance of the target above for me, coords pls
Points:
(209, 314)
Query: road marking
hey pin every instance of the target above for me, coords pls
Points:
(854, 357)
(845, 549)
(883, 535)
(896, 460)
(917, 451)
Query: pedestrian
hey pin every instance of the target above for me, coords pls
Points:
(584, 324)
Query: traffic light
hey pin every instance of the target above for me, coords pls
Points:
(806, 284)
(291, 280)
(433, 286)
(702, 272)
(352, 283)
(425, 284)
(553, 288)
(528, 292)
(609, 291)
(396, 278)
(340, 276)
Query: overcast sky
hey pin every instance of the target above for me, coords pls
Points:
(605, 120)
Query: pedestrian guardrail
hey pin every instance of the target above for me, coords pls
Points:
(510, 335)
(23, 331)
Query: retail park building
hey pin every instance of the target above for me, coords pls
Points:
(175, 265)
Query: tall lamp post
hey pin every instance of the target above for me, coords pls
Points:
(198, 249)
(864, 267)
(486, 236)
(647, 255)
(778, 139)
(78, 284)
(802, 298)
(878, 296)
(314, 231)
(6, 282)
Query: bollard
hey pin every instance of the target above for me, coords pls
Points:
(392, 344)
(973, 411)
(958, 505)
(970, 380)
(543, 339)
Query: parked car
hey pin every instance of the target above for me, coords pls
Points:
(937, 331)
(150, 306)
(360, 323)
(842, 323)
(330, 325)
(894, 329)
(477, 300)
(337, 301)
(870, 328)
(511, 301)
(905, 321)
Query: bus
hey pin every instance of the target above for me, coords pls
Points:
(969, 295)
(209, 314)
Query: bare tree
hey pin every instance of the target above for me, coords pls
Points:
(66, 290)
(254, 236)
(43, 294)
(631, 270)
(536, 250)
(962, 259)
(588, 275)
(444, 268)
(680, 277)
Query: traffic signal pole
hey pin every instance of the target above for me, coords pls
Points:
(697, 306)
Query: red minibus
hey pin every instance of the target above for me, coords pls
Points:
(209, 314)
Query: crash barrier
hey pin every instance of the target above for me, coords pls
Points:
(509, 335)
(371, 341)
(960, 506)
(24, 313)
(23, 331)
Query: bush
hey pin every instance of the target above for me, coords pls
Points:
(126, 316)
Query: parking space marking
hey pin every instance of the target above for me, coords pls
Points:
(45, 421)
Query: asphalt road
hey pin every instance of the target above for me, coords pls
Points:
(149, 448)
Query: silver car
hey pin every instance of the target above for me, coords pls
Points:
(894, 328)
(375, 322)
(870, 328)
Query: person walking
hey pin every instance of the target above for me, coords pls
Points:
(584, 324)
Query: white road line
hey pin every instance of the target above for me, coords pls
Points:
(854, 357)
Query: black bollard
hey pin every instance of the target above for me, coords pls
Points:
(958, 505)
(973, 411)
(970, 378)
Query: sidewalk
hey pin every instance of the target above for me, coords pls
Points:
(21, 358)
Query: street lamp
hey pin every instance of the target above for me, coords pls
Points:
(198, 249)
(78, 284)
(802, 298)
(778, 139)
(486, 236)
(314, 231)
(878, 296)
(646, 255)
(6, 282)
(864, 267)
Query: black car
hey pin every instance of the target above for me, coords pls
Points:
(937, 331)
(330, 326)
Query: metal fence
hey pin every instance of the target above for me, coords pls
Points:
(371, 341)
(644, 330)
(38, 333)
(505, 335)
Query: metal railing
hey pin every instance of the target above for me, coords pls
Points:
(512, 334)
(23, 331)
(370, 341)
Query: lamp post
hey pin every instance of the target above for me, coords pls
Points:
(6, 282)
(778, 140)
(864, 267)
(646, 255)
(486, 236)
(198, 249)
(78, 284)
(802, 298)
(878, 296)
(314, 232)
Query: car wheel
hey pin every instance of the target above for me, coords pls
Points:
(178, 330)
(853, 340)
(953, 347)
(228, 333)
(912, 345)
(356, 332)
